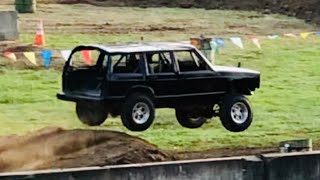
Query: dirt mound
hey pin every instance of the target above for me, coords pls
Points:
(59, 148)
(307, 10)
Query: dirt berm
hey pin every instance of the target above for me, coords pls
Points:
(308, 10)
(59, 148)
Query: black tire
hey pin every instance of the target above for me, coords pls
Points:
(92, 115)
(138, 112)
(235, 113)
(187, 121)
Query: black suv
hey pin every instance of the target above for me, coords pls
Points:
(132, 80)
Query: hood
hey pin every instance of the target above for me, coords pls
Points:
(225, 69)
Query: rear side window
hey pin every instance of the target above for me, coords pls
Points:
(189, 61)
(86, 58)
(159, 62)
(127, 63)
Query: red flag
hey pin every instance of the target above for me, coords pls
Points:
(87, 56)
(10, 55)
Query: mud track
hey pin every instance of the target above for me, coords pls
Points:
(58, 148)
(307, 10)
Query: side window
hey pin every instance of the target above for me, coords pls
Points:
(86, 58)
(189, 61)
(159, 62)
(127, 63)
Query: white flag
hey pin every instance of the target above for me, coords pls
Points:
(65, 54)
(237, 41)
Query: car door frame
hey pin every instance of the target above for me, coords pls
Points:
(192, 83)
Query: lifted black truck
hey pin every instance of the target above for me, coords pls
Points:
(132, 80)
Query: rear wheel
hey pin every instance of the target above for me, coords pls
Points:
(186, 119)
(138, 112)
(235, 113)
(90, 114)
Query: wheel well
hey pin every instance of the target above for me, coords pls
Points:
(143, 90)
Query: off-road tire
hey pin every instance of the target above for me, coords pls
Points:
(91, 115)
(138, 112)
(235, 113)
(186, 121)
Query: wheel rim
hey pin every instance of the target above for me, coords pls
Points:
(239, 112)
(195, 119)
(140, 113)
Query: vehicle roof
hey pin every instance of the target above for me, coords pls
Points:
(143, 47)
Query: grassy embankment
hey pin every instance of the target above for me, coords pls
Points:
(285, 107)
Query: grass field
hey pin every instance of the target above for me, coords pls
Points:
(285, 107)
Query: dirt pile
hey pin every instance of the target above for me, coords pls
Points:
(58, 148)
(307, 10)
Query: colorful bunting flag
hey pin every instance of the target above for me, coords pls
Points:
(214, 49)
(10, 55)
(214, 46)
(31, 57)
(237, 41)
(273, 36)
(87, 56)
(304, 35)
(256, 42)
(220, 42)
(290, 35)
(65, 54)
(46, 56)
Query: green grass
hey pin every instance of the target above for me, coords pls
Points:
(285, 107)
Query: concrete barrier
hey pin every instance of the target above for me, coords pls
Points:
(291, 166)
(8, 25)
(213, 169)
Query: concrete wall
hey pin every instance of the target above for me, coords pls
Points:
(209, 169)
(8, 25)
(292, 166)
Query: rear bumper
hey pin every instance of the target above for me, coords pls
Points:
(89, 99)
(78, 98)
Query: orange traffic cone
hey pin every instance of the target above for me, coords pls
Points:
(39, 39)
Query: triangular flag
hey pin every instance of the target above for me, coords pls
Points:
(220, 42)
(46, 57)
(273, 36)
(213, 56)
(214, 49)
(256, 42)
(31, 57)
(290, 35)
(214, 46)
(87, 56)
(10, 55)
(237, 41)
(65, 54)
(304, 35)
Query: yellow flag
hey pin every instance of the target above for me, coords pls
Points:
(304, 35)
(31, 57)
(256, 42)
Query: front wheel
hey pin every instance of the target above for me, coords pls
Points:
(90, 114)
(138, 112)
(186, 119)
(235, 113)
